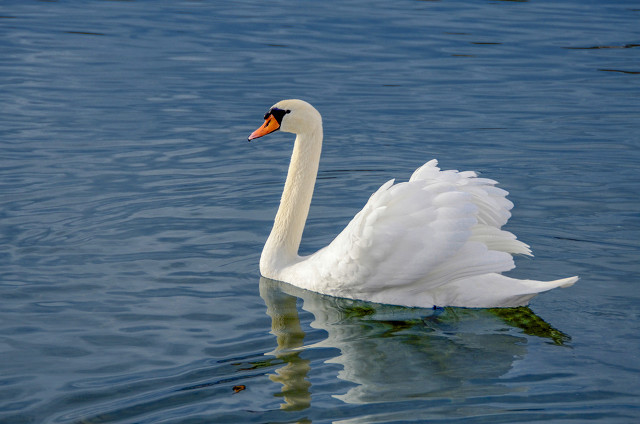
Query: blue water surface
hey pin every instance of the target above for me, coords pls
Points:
(133, 211)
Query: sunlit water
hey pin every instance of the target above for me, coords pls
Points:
(133, 211)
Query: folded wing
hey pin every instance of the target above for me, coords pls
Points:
(415, 236)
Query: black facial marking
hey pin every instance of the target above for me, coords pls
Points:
(277, 113)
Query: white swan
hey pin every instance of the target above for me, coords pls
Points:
(432, 241)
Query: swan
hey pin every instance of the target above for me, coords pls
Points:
(433, 241)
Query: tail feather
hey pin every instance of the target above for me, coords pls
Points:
(564, 282)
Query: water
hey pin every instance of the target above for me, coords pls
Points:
(134, 211)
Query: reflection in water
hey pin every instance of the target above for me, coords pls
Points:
(285, 324)
(393, 353)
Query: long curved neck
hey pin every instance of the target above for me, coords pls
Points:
(282, 245)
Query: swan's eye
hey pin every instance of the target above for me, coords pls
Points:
(278, 114)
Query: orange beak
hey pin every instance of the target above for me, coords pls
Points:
(269, 126)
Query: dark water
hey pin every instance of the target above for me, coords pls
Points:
(133, 211)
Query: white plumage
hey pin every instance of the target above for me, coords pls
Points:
(435, 240)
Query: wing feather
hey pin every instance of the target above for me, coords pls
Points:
(416, 235)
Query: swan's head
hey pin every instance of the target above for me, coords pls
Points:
(294, 116)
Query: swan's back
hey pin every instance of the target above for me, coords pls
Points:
(411, 239)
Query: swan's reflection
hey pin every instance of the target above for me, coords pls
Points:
(285, 324)
(395, 353)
